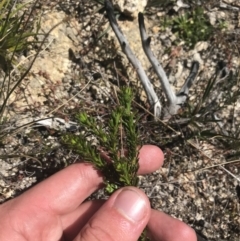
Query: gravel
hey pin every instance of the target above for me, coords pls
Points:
(195, 184)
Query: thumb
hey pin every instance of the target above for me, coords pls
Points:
(123, 217)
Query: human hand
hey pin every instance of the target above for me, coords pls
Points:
(54, 210)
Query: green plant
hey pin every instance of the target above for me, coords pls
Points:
(18, 23)
(14, 30)
(219, 97)
(116, 153)
(192, 26)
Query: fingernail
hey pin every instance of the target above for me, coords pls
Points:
(131, 205)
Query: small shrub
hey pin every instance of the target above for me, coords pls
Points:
(117, 139)
(192, 27)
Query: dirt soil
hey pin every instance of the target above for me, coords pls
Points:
(81, 66)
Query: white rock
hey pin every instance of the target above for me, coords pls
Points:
(200, 46)
(212, 17)
(229, 1)
(57, 123)
(221, 15)
(180, 4)
(130, 7)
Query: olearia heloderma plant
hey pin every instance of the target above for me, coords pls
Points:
(116, 154)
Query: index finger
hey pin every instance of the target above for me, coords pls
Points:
(66, 190)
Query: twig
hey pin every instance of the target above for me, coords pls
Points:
(152, 96)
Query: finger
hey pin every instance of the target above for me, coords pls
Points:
(162, 227)
(76, 220)
(150, 159)
(123, 217)
(64, 191)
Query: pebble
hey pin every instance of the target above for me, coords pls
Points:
(179, 160)
(201, 46)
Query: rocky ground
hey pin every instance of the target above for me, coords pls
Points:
(80, 65)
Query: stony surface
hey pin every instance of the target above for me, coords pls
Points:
(194, 184)
(130, 7)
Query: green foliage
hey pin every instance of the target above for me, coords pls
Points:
(14, 32)
(220, 95)
(116, 154)
(192, 26)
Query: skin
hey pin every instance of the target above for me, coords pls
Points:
(55, 209)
